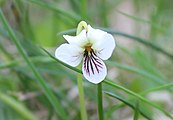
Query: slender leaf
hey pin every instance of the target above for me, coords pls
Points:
(54, 8)
(51, 97)
(129, 103)
(144, 73)
(138, 39)
(137, 96)
(119, 87)
(18, 107)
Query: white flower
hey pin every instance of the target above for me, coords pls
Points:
(91, 46)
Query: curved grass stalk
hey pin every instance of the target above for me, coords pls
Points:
(137, 96)
(126, 102)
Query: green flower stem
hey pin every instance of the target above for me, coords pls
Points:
(81, 97)
(80, 86)
(82, 25)
(49, 94)
(100, 103)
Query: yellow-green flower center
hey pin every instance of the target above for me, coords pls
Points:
(88, 50)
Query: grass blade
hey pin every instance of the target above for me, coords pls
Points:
(83, 9)
(157, 88)
(119, 87)
(137, 96)
(143, 41)
(55, 9)
(138, 39)
(142, 72)
(136, 111)
(139, 19)
(68, 66)
(128, 103)
(19, 108)
(51, 97)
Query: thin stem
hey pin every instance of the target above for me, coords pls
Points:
(80, 26)
(136, 111)
(100, 103)
(81, 97)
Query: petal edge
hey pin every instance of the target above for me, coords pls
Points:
(69, 54)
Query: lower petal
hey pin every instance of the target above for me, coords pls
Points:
(94, 69)
(69, 54)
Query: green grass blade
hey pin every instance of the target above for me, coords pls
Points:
(137, 96)
(138, 39)
(130, 104)
(51, 97)
(143, 41)
(55, 9)
(136, 111)
(144, 73)
(157, 88)
(68, 66)
(18, 107)
(83, 9)
(139, 19)
(11, 64)
(117, 86)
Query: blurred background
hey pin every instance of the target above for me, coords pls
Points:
(142, 60)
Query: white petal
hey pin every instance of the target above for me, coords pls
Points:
(79, 40)
(94, 35)
(94, 70)
(69, 54)
(103, 44)
(105, 47)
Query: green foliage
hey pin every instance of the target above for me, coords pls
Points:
(35, 85)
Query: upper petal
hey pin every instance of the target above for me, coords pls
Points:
(79, 40)
(93, 68)
(103, 42)
(105, 47)
(69, 54)
(94, 35)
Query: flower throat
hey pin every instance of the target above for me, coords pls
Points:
(92, 63)
(88, 50)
